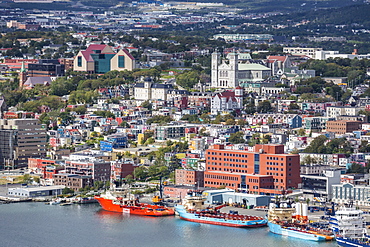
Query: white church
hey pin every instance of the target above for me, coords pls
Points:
(236, 70)
(227, 101)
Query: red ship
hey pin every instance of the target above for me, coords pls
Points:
(125, 203)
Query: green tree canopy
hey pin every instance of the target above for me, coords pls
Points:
(264, 106)
(105, 114)
(188, 79)
(237, 137)
(159, 119)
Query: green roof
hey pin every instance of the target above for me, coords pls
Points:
(245, 56)
(252, 66)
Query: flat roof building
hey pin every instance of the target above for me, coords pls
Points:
(36, 191)
(267, 170)
(29, 139)
(342, 126)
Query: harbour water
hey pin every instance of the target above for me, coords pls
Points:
(37, 225)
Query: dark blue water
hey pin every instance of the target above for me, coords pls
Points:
(38, 225)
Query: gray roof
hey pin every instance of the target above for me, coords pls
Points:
(178, 91)
(155, 85)
(31, 81)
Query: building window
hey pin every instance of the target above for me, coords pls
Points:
(121, 61)
(79, 61)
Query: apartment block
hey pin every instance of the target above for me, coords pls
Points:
(46, 67)
(7, 146)
(336, 111)
(342, 126)
(99, 170)
(267, 170)
(121, 169)
(299, 51)
(163, 133)
(326, 159)
(359, 195)
(189, 177)
(37, 165)
(29, 140)
(73, 181)
(316, 123)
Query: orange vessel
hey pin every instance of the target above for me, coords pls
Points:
(127, 204)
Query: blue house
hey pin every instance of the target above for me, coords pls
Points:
(295, 122)
(113, 141)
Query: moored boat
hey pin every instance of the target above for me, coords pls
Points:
(124, 202)
(85, 200)
(56, 201)
(349, 227)
(193, 209)
(288, 221)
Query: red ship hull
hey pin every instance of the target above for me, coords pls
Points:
(138, 209)
(222, 223)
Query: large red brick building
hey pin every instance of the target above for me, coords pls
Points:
(121, 169)
(268, 170)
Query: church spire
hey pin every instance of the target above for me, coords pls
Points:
(23, 68)
(22, 75)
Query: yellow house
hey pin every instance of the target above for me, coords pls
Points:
(140, 138)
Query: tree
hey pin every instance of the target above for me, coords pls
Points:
(63, 86)
(147, 104)
(294, 106)
(301, 132)
(98, 185)
(66, 118)
(337, 145)
(266, 139)
(202, 132)
(364, 147)
(83, 97)
(159, 119)
(317, 145)
(191, 118)
(230, 121)
(36, 179)
(129, 179)
(237, 137)
(346, 95)
(124, 124)
(81, 109)
(141, 172)
(356, 168)
(334, 91)
(205, 118)
(255, 139)
(241, 122)
(106, 114)
(264, 107)
(308, 160)
(53, 102)
(67, 190)
(249, 105)
(270, 120)
(149, 141)
(188, 79)
(26, 179)
(107, 184)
